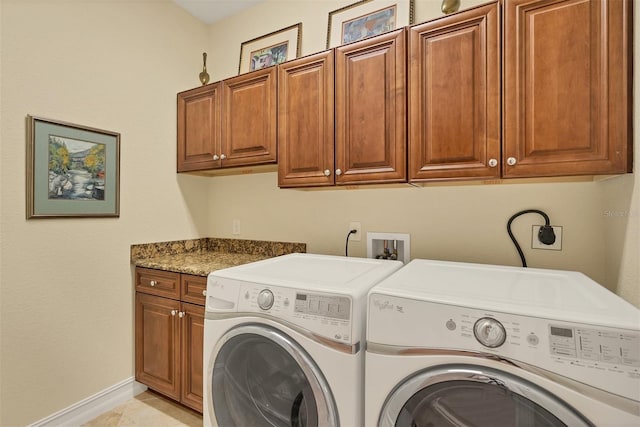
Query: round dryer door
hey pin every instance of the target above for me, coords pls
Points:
(261, 376)
(468, 395)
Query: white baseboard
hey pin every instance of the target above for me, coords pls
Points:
(93, 406)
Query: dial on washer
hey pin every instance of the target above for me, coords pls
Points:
(489, 332)
(265, 299)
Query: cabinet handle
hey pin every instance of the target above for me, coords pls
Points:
(174, 312)
(216, 157)
(153, 283)
(327, 172)
(338, 172)
(181, 314)
(222, 157)
(511, 161)
(493, 163)
(204, 292)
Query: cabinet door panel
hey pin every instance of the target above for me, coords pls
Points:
(566, 87)
(454, 96)
(199, 120)
(158, 344)
(192, 329)
(305, 121)
(370, 115)
(249, 135)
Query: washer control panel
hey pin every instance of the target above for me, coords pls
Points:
(603, 357)
(322, 314)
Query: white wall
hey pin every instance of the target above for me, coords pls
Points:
(66, 290)
(465, 223)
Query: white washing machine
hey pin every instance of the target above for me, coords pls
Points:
(454, 344)
(284, 341)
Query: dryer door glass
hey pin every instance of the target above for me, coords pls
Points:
(262, 377)
(473, 396)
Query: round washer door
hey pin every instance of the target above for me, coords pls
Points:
(478, 396)
(261, 376)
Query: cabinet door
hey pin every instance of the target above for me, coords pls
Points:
(158, 344)
(192, 332)
(567, 87)
(454, 96)
(305, 121)
(199, 120)
(249, 119)
(370, 116)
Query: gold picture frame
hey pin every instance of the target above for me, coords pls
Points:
(271, 49)
(367, 18)
(72, 170)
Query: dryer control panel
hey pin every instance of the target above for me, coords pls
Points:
(603, 357)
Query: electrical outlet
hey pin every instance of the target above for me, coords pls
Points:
(357, 236)
(537, 244)
(236, 227)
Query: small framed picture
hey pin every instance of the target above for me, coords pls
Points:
(367, 18)
(270, 49)
(72, 170)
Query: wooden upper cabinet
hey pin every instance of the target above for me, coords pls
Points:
(249, 119)
(370, 110)
(454, 96)
(567, 87)
(305, 121)
(199, 113)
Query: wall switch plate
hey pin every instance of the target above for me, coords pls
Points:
(537, 244)
(357, 236)
(236, 227)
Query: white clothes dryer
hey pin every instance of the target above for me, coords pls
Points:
(455, 344)
(284, 341)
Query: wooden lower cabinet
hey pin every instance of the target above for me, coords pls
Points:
(169, 337)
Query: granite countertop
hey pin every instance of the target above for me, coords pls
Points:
(202, 256)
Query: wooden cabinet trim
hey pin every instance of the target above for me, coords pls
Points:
(371, 124)
(454, 68)
(157, 282)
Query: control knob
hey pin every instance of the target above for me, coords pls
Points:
(265, 299)
(489, 332)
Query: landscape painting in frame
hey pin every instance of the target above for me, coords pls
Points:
(367, 18)
(271, 49)
(72, 170)
(273, 55)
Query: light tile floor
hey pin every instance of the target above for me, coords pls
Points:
(148, 409)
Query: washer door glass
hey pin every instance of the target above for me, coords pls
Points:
(262, 377)
(472, 396)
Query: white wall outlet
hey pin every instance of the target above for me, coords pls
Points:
(537, 244)
(236, 227)
(357, 236)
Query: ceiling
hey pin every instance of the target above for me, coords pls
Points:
(210, 11)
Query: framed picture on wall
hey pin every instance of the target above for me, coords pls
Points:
(368, 18)
(72, 170)
(270, 49)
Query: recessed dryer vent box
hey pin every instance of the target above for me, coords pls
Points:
(389, 246)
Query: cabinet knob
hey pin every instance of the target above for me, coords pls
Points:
(338, 172)
(327, 172)
(181, 314)
(174, 312)
(222, 157)
(511, 161)
(493, 163)
(153, 283)
(216, 157)
(204, 292)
